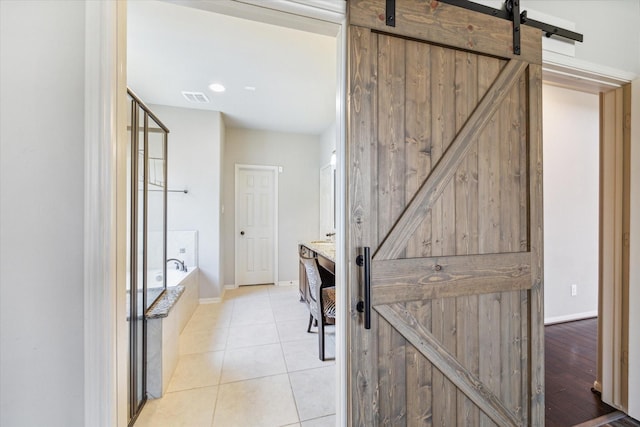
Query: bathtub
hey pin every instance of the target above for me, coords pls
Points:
(165, 321)
(174, 277)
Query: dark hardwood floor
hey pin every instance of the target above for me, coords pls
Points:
(570, 359)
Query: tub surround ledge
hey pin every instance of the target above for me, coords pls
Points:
(165, 303)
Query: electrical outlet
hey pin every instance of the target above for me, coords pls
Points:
(574, 290)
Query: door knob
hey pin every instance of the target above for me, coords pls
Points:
(242, 233)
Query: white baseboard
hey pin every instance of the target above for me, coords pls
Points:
(210, 300)
(230, 287)
(288, 283)
(570, 317)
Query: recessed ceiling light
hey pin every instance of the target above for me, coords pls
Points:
(217, 87)
(250, 88)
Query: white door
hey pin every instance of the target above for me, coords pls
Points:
(256, 216)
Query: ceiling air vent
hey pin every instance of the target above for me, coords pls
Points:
(195, 97)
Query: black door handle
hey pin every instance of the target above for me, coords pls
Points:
(242, 233)
(364, 260)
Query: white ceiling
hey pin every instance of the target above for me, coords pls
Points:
(173, 48)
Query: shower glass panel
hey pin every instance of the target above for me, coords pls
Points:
(138, 324)
(147, 238)
(156, 211)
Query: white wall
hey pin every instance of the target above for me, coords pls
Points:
(298, 191)
(571, 197)
(41, 213)
(195, 163)
(610, 28)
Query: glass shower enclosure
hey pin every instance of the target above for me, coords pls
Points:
(147, 231)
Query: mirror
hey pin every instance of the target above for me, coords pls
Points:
(327, 199)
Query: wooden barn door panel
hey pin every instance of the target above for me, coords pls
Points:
(444, 177)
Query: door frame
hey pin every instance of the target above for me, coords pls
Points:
(105, 119)
(275, 246)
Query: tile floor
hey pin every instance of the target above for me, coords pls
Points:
(249, 361)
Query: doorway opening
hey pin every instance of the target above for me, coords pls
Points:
(584, 116)
(297, 154)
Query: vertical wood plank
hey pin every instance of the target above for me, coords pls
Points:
(419, 373)
(466, 193)
(509, 204)
(443, 129)
(444, 392)
(392, 376)
(490, 365)
(510, 172)
(442, 132)
(418, 160)
(391, 131)
(391, 202)
(510, 351)
(466, 183)
(489, 167)
(524, 164)
(536, 294)
(361, 216)
(468, 322)
(489, 236)
(525, 241)
(418, 135)
(449, 131)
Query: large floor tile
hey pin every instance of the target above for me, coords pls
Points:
(197, 370)
(252, 362)
(252, 335)
(251, 312)
(203, 341)
(295, 330)
(189, 408)
(213, 316)
(314, 391)
(213, 310)
(304, 354)
(289, 310)
(262, 402)
(283, 290)
(328, 421)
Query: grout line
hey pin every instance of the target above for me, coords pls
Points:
(286, 367)
(318, 418)
(224, 357)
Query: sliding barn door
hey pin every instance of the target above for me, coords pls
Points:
(444, 175)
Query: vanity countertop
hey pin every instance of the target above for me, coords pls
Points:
(324, 248)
